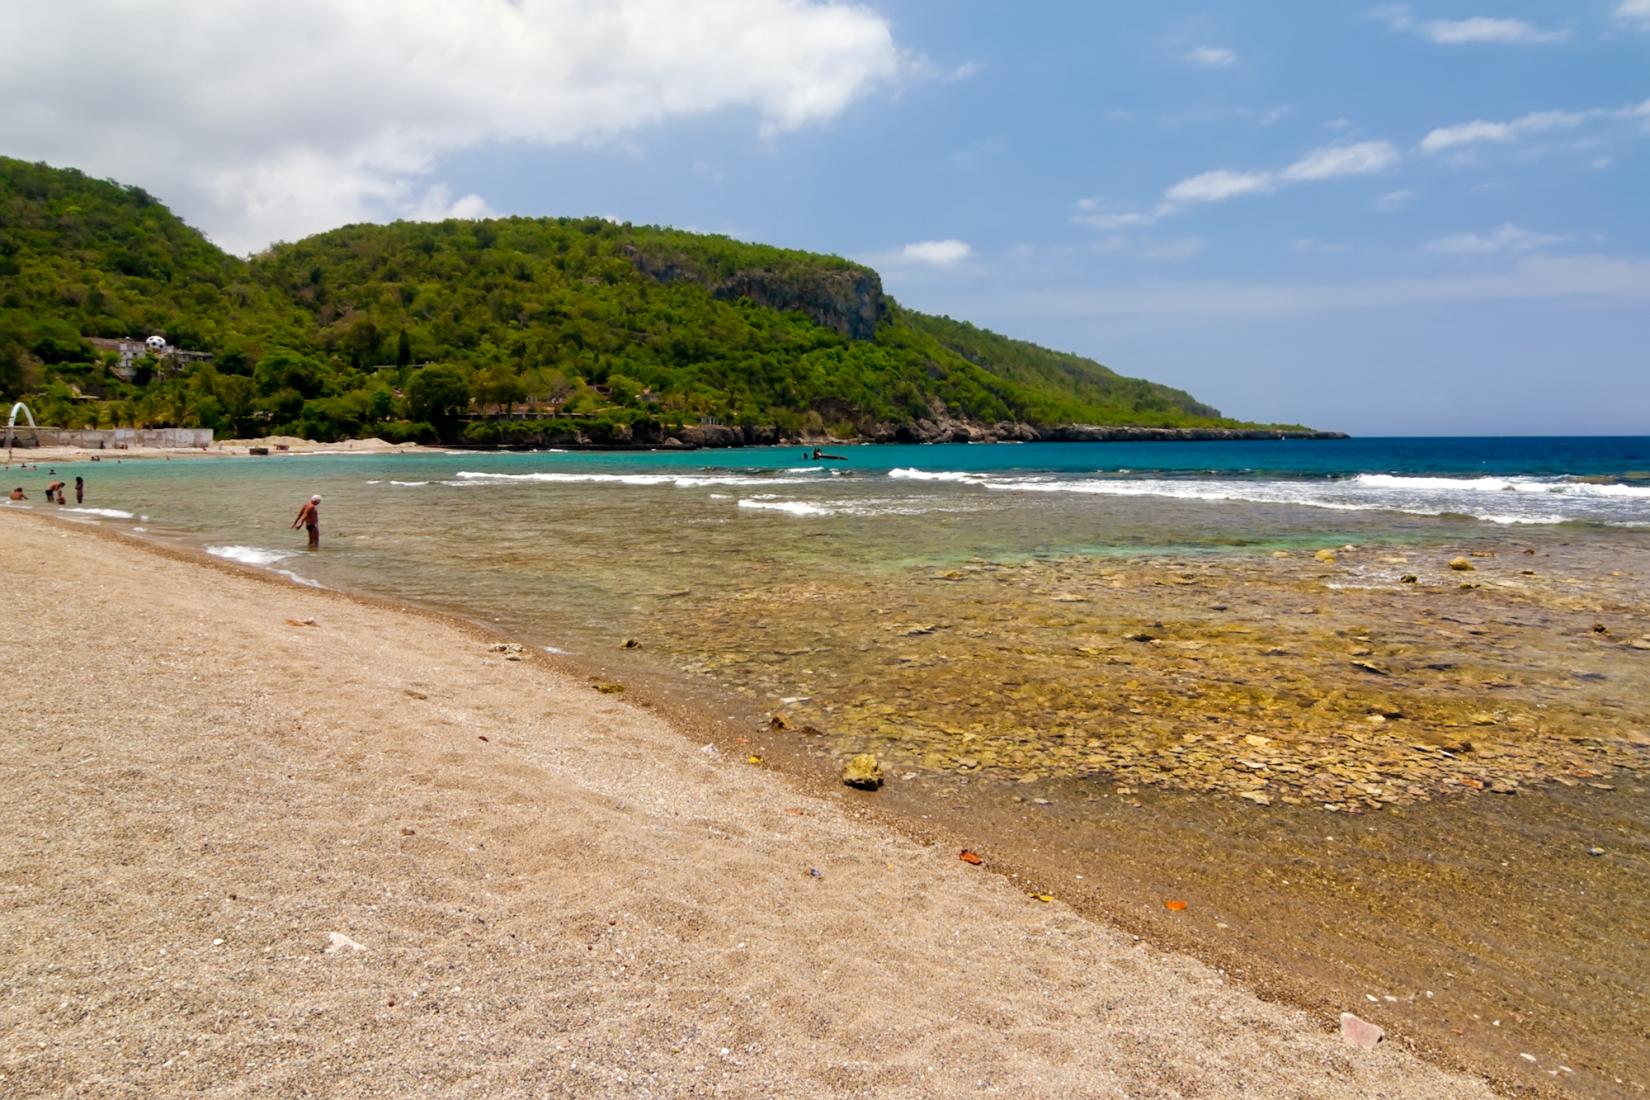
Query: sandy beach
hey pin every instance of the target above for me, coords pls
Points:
(26, 456)
(220, 784)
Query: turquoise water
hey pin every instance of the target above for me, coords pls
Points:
(572, 547)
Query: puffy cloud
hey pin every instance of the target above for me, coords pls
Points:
(1455, 32)
(1505, 238)
(263, 121)
(1211, 57)
(936, 253)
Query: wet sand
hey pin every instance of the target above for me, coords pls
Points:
(219, 785)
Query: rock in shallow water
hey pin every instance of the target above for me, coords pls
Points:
(863, 772)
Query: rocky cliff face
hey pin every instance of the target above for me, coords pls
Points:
(944, 429)
(846, 300)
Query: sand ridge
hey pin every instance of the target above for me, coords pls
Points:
(556, 891)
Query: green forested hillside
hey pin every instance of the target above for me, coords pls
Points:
(596, 331)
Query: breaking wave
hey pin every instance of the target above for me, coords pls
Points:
(250, 555)
(1502, 500)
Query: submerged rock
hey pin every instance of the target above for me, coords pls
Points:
(863, 772)
(1461, 565)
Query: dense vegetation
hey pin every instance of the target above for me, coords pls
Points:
(420, 330)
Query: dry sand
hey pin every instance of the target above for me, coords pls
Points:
(222, 448)
(557, 893)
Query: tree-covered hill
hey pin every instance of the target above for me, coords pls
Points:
(591, 330)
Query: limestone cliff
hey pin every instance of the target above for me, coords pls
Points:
(847, 299)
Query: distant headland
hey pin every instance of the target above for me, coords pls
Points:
(515, 332)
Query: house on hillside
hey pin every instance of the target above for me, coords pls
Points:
(131, 350)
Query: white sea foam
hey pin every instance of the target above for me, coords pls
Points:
(249, 555)
(111, 513)
(1558, 486)
(906, 473)
(1493, 500)
(791, 507)
(680, 481)
(296, 579)
(858, 506)
(409, 484)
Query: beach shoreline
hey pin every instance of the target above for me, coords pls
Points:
(433, 783)
(226, 448)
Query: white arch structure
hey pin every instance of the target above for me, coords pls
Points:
(11, 426)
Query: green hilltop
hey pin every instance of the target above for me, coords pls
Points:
(511, 331)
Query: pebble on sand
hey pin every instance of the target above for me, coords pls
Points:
(338, 943)
(1359, 1032)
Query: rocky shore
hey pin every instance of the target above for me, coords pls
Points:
(313, 844)
(940, 429)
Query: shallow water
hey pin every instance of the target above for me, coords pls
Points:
(1141, 637)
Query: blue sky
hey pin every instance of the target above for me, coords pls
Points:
(1386, 219)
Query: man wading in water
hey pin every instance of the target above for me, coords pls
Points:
(310, 516)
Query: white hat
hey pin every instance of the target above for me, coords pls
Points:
(315, 499)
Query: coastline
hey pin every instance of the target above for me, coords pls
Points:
(523, 858)
(704, 437)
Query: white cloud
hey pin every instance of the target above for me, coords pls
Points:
(1334, 161)
(1634, 12)
(1329, 162)
(1211, 57)
(1537, 122)
(1455, 32)
(1504, 238)
(1097, 213)
(436, 205)
(262, 121)
(1468, 133)
(936, 253)
(1220, 185)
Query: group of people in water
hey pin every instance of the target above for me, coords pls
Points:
(55, 491)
